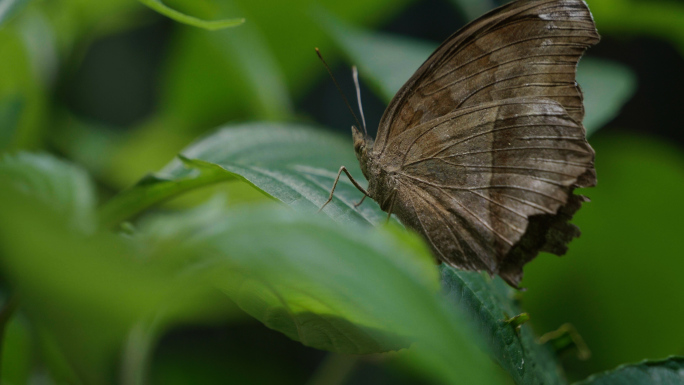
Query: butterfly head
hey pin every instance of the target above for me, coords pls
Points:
(363, 145)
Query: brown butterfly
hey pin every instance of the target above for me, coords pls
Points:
(481, 149)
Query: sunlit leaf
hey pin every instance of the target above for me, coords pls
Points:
(180, 17)
(665, 372)
(336, 287)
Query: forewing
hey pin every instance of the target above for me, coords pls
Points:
(528, 48)
(473, 180)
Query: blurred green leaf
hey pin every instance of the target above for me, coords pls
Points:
(331, 286)
(9, 8)
(661, 19)
(17, 352)
(180, 17)
(20, 82)
(389, 61)
(386, 61)
(10, 112)
(665, 372)
(154, 189)
(628, 254)
(295, 164)
(473, 9)
(250, 72)
(240, 75)
(489, 303)
(80, 290)
(62, 186)
(606, 86)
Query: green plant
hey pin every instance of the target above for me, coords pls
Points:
(92, 281)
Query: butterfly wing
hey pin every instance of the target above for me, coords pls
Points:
(490, 186)
(527, 48)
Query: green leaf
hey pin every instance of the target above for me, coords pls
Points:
(665, 372)
(635, 211)
(180, 17)
(10, 113)
(489, 303)
(473, 9)
(332, 286)
(9, 8)
(660, 19)
(389, 61)
(606, 86)
(81, 289)
(295, 164)
(17, 352)
(154, 189)
(62, 186)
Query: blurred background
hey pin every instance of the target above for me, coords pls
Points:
(120, 90)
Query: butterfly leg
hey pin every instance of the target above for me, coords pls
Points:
(389, 212)
(351, 178)
(361, 201)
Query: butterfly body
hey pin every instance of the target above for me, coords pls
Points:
(481, 149)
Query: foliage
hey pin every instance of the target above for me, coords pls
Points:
(90, 291)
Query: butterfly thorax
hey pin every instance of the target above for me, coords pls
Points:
(381, 182)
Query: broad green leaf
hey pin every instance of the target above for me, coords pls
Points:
(295, 164)
(389, 61)
(489, 303)
(9, 8)
(332, 286)
(81, 289)
(60, 185)
(180, 17)
(665, 372)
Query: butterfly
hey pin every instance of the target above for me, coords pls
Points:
(480, 151)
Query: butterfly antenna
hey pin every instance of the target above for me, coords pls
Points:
(355, 73)
(339, 89)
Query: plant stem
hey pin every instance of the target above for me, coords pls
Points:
(334, 369)
(137, 353)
